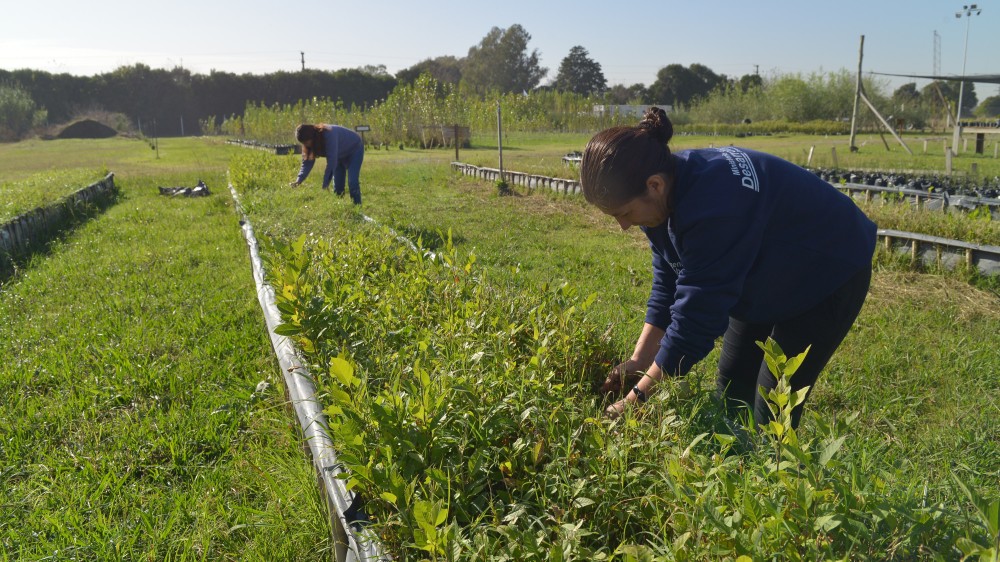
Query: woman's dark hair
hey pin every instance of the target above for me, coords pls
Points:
(618, 161)
(306, 132)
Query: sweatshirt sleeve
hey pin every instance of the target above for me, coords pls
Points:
(304, 169)
(716, 256)
(661, 297)
(332, 155)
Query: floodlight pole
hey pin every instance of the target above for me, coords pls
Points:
(968, 11)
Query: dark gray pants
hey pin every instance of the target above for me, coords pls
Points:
(742, 369)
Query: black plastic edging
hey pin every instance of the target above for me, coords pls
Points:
(353, 543)
(24, 232)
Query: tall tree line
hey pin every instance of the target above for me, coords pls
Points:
(177, 100)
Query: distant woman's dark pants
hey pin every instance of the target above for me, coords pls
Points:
(742, 369)
(349, 167)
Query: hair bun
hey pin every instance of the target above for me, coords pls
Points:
(657, 124)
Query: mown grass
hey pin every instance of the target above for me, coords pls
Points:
(132, 424)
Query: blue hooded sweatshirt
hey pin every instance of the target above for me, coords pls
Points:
(752, 237)
(341, 143)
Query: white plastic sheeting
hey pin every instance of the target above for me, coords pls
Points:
(353, 541)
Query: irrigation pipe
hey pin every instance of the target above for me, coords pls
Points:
(352, 541)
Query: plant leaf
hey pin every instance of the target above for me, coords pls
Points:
(830, 450)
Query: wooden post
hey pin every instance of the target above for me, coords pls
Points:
(809, 159)
(500, 138)
(925, 146)
(947, 162)
(833, 153)
(456, 142)
(914, 246)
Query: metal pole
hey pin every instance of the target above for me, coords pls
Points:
(968, 12)
(857, 95)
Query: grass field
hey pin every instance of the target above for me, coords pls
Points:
(133, 349)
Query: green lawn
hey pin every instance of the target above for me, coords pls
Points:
(132, 426)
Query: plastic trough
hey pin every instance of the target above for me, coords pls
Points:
(353, 542)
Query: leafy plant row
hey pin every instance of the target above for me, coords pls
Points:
(465, 415)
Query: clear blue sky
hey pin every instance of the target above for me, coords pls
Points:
(631, 40)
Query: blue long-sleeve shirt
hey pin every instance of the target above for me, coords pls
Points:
(753, 237)
(341, 143)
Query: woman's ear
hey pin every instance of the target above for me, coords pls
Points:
(657, 183)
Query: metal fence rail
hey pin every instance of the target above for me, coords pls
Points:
(933, 250)
(922, 199)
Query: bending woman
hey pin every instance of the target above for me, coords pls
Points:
(344, 152)
(745, 245)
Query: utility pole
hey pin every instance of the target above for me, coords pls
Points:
(303, 53)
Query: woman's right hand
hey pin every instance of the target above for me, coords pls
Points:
(622, 378)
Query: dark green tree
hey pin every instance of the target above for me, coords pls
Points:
(580, 74)
(677, 85)
(619, 94)
(501, 61)
(943, 92)
(443, 69)
(907, 94)
(750, 81)
(990, 107)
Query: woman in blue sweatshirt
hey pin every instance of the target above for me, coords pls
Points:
(745, 246)
(344, 152)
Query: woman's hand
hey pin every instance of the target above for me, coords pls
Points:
(622, 378)
(615, 410)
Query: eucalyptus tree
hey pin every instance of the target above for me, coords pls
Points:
(501, 61)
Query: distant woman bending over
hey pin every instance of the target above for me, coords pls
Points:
(745, 245)
(344, 152)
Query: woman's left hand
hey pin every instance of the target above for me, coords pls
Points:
(616, 410)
